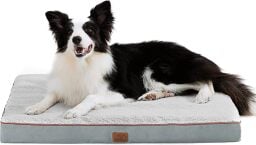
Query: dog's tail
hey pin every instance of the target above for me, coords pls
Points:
(240, 93)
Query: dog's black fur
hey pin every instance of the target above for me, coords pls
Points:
(170, 62)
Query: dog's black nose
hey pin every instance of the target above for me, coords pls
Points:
(76, 40)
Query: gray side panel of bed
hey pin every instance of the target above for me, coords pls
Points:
(136, 134)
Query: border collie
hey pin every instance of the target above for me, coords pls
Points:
(88, 72)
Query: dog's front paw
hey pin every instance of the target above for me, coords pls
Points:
(34, 110)
(72, 113)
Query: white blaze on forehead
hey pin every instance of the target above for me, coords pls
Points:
(79, 31)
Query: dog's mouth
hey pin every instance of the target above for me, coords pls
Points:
(82, 51)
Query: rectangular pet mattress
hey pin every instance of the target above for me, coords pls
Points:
(173, 119)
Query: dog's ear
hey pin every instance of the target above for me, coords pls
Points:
(101, 14)
(61, 26)
(57, 20)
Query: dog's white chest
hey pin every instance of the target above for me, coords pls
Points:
(72, 80)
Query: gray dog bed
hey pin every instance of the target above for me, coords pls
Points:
(174, 119)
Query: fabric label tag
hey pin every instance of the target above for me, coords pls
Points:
(120, 137)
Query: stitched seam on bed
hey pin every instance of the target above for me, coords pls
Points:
(166, 124)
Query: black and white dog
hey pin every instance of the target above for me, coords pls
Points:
(88, 72)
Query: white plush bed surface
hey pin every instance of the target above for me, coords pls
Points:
(29, 89)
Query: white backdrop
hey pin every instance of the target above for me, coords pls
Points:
(222, 30)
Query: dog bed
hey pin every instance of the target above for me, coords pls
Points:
(173, 119)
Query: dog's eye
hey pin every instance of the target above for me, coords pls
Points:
(89, 31)
(70, 32)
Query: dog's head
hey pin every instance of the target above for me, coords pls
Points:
(82, 38)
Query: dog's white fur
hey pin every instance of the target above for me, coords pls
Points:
(80, 82)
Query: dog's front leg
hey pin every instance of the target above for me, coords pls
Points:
(43, 105)
(91, 101)
(83, 108)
